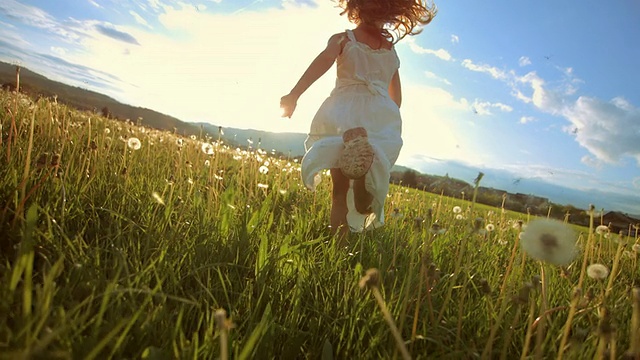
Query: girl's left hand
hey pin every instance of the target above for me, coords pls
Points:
(288, 104)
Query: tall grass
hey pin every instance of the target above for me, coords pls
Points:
(170, 251)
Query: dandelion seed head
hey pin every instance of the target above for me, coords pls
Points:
(549, 240)
(107, 131)
(457, 209)
(602, 229)
(263, 169)
(490, 227)
(157, 198)
(134, 143)
(179, 142)
(207, 148)
(597, 271)
(193, 137)
(370, 279)
(207, 163)
(282, 191)
(263, 186)
(459, 217)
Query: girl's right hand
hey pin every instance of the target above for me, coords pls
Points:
(288, 104)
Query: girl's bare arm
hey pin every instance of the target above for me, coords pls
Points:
(395, 89)
(318, 67)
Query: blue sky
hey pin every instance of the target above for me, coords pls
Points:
(540, 91)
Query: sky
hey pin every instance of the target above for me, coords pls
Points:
(544, 91)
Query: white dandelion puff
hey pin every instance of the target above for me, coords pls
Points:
(179, 142)
(263, 186)
(457, 209)
(134, 143)
(597, 271)
(282, 191)
(459, 217)
(490, 227)
(107, 131)
(549, 240)
(207, 163)
(157, 198)
(602, 229)
(207, 148)
(263, 169)
(193, 137)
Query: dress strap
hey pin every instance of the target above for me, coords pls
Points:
(351, 36)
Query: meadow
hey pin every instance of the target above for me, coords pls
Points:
(121, 241)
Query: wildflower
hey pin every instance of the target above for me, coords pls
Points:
(459, 217)
(207, 148)
(207, 163)
(636, 247)
(490, 227)
(42, 160)
(134, 143)
(597, 271)
(193, 137)
(107, 131)
(179, 142)
(602, 229)
(263, 169)
(457, 209)
(518, 225)
(282, 191)
(396, 214)
(549, 240)
(263, 186)
(157, 198)
(370, 279)
(436, 229)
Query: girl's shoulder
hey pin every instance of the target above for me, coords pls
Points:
(338, 40)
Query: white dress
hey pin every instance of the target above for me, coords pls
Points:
(360, 98)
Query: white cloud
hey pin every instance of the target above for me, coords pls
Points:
(527, 119)
(440, 53)
(636, 182)
(484, 107)
(455, 39)
(139, 19)
(58, 50)
(94, 3)
(609, 130)
(493, 71)
(524, 61)
(431, 75)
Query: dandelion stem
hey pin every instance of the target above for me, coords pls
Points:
(527, 336)
(587, 248)
(577, 293)
(542, 317)
(614, 270)
(389, 319)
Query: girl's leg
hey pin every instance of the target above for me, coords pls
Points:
(362, 197)
(339, 203)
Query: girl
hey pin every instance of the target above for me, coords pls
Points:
(356, 131)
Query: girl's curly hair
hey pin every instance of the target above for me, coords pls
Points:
(401, 17)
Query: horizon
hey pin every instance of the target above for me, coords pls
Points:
(532, 102)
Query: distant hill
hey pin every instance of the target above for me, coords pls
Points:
(37, 85)
(285, 143)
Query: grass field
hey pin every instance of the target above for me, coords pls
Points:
(119, 241)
